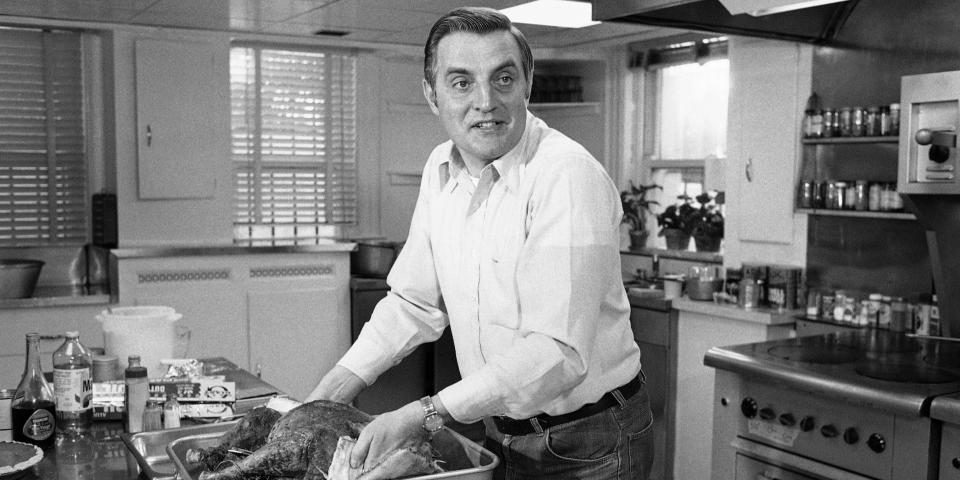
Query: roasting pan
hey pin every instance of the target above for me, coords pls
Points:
(150, 448)
(464, 459)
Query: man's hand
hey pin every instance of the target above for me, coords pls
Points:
(338, 385)
(386, 433)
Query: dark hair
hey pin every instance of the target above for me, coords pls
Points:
(478, 20)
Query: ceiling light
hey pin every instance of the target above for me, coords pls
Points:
(554, 13)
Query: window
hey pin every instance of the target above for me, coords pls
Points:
(43, 175)
(293, 143)
(685, 96)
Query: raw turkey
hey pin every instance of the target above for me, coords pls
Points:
(301, 445)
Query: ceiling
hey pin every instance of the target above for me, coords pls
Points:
(400, 22)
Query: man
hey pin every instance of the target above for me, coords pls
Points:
(514, 245)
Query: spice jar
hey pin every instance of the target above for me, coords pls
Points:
(806, 196)
(850, 197)
(871, 122)
(859, 122)
(845, 120)
(876, 191)
(840, 195)
(885, 121)
(894, 119)
(831, 123)
(861, 199)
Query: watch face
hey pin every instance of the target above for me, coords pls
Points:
(432, 423)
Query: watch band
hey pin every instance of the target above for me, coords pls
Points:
(432, 421)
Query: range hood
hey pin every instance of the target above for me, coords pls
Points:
(779, 19)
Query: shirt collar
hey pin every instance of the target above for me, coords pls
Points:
(509, 166)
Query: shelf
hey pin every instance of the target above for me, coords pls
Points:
(857, 213)
(837, 140)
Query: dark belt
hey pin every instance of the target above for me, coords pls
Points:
(509, 426)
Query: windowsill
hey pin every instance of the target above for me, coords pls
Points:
(706, 257)
(61, 296)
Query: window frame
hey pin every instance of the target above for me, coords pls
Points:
(316, 232)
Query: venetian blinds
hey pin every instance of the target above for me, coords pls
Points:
(294, 143)
(42, 166)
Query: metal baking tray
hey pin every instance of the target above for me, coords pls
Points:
(150, 448)
(463, 459)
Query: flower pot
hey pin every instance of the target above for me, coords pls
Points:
(676, 239)
(638, 239)
(707, 244)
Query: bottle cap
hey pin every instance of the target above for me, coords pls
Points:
(72, 334)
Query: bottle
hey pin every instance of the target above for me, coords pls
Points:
(152, 415)
(73, 386)
(136, 393)
(171, 412)
(33, 407)
(899, 320)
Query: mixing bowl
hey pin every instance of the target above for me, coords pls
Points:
(18, 277)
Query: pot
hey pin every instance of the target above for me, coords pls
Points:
(18, 277)
(374, 258)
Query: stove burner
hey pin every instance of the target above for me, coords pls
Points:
(906, 373)
(825, 354)
(879, 341)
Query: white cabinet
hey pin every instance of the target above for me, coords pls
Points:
(181, 107)
(285, 315)
(763, 144)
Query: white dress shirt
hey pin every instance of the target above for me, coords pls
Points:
(524, 266)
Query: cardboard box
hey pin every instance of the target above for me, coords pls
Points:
(201, 389)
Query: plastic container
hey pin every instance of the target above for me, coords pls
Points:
(150, 332)
(73, 386)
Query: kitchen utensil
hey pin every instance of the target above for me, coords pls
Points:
(18, 277)
(149, 331)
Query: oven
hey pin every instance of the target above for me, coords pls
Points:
(843, 406)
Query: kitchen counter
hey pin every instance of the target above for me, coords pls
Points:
(60, 296)
(216, 250)
(760, 315)
(102, 455)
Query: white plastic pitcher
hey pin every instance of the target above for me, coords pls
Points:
(149, 331)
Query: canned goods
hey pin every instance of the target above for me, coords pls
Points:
(6, 413)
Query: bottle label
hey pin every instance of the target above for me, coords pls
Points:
(73, 389)
(40, 425)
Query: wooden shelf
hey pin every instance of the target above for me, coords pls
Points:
(857, 213)
(839, 140)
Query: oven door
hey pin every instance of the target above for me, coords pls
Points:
(760, 462)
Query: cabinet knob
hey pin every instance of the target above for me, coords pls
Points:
(149, 135)
(748, 170)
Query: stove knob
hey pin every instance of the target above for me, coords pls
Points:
(807, 424)
(851, 436)
(767, 413)
(829, 431)
(787, 420)
(877, 443)
(749, 407)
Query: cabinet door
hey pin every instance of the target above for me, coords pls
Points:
(181, 106)
(764, 122)
(297, 335)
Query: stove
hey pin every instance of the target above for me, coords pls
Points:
(851, 405)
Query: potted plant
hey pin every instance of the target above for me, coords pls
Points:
(676, 223)
(636, 206)
(707, 226)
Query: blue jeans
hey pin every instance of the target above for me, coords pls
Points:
(615, 444)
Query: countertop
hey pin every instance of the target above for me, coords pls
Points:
(946, 409)
(61, 296)
(102, 455)
(201, 250)
(762, 315)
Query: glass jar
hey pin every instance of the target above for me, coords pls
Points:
(840, 195)
(831, 123)
(850, 197)
(859, 122)
(845, 120)
(861, 199)
(871, 122)
(885, 121)
(876, 192)
(806, 196)
(894, 119)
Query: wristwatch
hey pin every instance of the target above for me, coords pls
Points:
(432, 421)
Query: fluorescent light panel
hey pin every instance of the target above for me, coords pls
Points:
(553, 13)
(792, 6)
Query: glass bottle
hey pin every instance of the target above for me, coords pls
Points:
(152, 415)
(33, 406)
(171, 412)
(136, 393)
(73, 386)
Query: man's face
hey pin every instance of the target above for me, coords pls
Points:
(480, 93)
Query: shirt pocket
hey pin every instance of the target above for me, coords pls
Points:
(500, 304)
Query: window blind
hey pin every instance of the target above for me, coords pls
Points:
(42, 167)
(294, 143)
